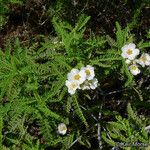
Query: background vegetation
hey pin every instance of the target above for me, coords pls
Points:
(40, 42)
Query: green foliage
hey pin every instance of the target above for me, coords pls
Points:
(73, 36)
(34, 98)
(79, 111)
(126, 71)
(1, 127)
(23, 74)
(127, 130)
(19, 86)
(122, 37)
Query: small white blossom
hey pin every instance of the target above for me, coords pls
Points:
(134, 69)
(77, 76)
(62, 128)
(72, 86)
(129, 51)
(90, 84)
(128, 61)
(81, 79)
(85, 85)
(135, 61)
(89, 70)
(93, 84)
(144, 60)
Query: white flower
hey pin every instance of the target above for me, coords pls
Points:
(128, 61)
(89, 84)
(81, 79)
(85, 85)
(93, 84)
(144, 60)
(129, 51)
(72, 86)
(134, 69)
(77, 76)
(62, 128)
(89, 70)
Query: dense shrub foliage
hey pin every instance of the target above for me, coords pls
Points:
(75, 89)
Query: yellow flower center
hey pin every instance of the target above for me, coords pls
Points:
(77, 77)
(63, 128)
(73, 85)
(134, 68)
(143, 59)
(129, 52)
(87, 72)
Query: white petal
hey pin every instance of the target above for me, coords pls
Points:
(132, 57)
(93, 83)
(83, 76)
(85, 87)
(72, 86)
(80, 76)
(128, 61)
(134, 69)
(141, 62)
(144, 60)
(90, 69)
(71, 91)
(62, 128)
(147, 56)
(132, 45)
(137, 51)
(147, 63)
(67, 83)
(124, 47)
(75, 71)
(71, 73)
(123, 55)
